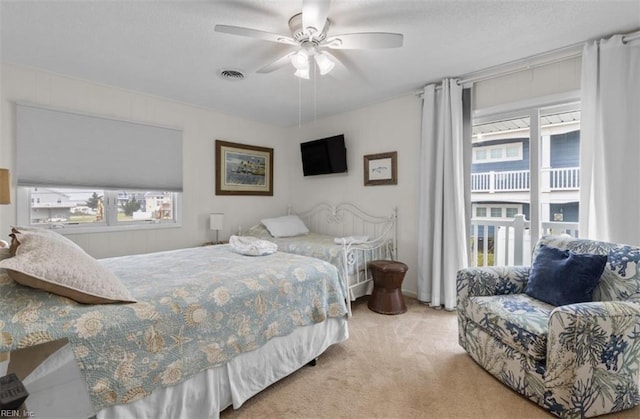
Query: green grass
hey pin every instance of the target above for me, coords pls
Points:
(480, 260)
(88, 218)
(81, 218)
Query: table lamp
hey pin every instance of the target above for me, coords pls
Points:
(216, 222)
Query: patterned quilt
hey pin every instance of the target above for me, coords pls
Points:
(314, 245)
(320, 246)
(197, 308)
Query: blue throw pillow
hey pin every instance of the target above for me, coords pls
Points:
(561, 277)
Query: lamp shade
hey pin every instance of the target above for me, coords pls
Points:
(324, 63)
(5, 187)
(303, 74)
(216, 221)
(300, 60)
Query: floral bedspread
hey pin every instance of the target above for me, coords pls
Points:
(197, 308)
(320, 246)
(314, 245)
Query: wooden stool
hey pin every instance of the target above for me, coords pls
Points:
(387, 281)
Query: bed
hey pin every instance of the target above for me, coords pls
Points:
(210, 329)
(343, 235)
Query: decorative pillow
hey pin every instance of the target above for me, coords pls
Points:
(561, 277)
(259, 231)
(251, 246)
(287, 226)
(51, 262)
(16, 231)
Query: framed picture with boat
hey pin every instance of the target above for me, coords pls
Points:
(243, 169)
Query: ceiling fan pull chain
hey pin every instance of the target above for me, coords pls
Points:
(299, 102)
(315, 93)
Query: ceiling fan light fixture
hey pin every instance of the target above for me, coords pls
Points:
(303, 74)
(325, 64)
(300, 60)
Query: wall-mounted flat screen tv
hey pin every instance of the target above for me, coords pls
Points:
(324, 156)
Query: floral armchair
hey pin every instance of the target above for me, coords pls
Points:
(576, 360)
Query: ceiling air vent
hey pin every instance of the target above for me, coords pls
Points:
(231, 75)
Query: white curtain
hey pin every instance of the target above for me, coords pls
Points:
(610, 141)
(442, 242)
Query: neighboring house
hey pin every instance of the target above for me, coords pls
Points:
(501, 182)
(53, 205)
(500, 178)
(68, 206)
(160, 203)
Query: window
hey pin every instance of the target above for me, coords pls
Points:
(503, 211)
(514, 151)
(496, 212)
(75, 208)
(88, 173)
(497, 153)
(535, 165)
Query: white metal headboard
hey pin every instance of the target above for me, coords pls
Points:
(347, 219)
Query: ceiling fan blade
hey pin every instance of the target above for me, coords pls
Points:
(277, 64)
(315, 13)
(254, 33)
(364, 40)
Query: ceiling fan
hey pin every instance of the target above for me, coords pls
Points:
(309, 33)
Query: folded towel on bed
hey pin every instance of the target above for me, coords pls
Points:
(252, 246)
(351, 240)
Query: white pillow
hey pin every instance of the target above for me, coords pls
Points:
(287, 226)
(51, 262)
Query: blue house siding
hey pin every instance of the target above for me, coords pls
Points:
(565, 149)
(565, 152)
(569, 211)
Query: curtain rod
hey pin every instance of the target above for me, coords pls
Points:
(527, 63)
(631, 37)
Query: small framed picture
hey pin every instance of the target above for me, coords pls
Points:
(381, 169)
(243, 169)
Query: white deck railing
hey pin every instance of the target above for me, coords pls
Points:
(562, 179)
(508, 242)
(559, 179)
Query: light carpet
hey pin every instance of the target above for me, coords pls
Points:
(403, 366)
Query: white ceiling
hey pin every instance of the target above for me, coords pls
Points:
(170, 49)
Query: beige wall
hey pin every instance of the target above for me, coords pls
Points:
(201, 127)
(393, 125)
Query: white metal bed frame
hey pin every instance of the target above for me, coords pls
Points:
(347, 219)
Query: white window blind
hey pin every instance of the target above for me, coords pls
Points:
(61, 148)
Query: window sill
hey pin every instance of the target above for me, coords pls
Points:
(109, 229)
